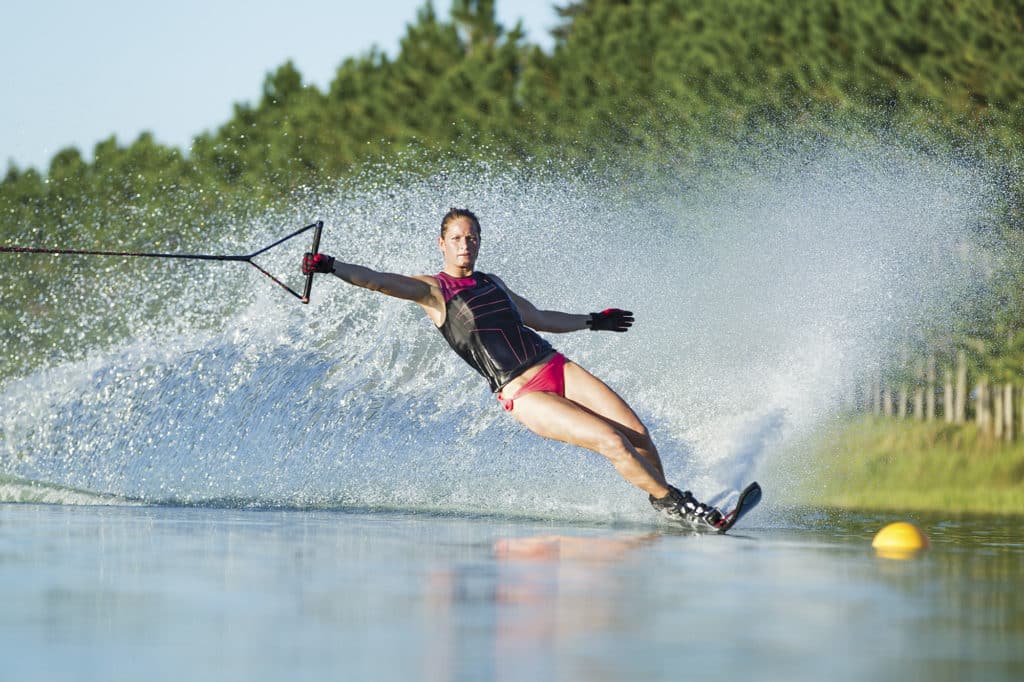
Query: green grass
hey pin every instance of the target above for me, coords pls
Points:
(866, 463)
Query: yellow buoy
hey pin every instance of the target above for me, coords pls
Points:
(900, 540)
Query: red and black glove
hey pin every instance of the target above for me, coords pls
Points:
(321, 262)
(611, 320)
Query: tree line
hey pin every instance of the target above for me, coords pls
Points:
(623, 78)
(975, 376)
(972, 371)
(957, 389)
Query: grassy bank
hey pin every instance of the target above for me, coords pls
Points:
(867, 463)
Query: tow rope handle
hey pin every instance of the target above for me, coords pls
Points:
(313, 250)
(317, 228)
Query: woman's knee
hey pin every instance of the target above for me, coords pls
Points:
(642, 434)
(637, 434)
(614, 445)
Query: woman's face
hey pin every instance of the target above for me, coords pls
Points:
(460, 245)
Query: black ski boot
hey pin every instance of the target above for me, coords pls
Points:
(683, 507)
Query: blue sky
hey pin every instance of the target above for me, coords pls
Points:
(75, 73)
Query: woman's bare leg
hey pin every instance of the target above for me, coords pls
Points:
(562, 419)
(586, 390)
(593, 416)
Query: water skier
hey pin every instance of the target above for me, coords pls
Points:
(495, 331)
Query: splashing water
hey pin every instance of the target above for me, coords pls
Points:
(760, 292)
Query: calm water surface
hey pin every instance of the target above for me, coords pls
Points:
(162, 593)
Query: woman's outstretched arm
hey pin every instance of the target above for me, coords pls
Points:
(420, 289)
(557, 322)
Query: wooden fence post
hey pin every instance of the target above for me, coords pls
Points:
(929, 395)
(1008, 411)
(997, 411)
(947, 395)
(960, 393)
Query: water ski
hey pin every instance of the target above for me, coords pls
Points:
(747, 500)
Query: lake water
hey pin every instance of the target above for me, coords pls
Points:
(170, 593)
(192, 477)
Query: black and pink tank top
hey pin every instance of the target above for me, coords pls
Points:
(484, 327)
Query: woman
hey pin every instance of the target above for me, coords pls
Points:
(495, 331)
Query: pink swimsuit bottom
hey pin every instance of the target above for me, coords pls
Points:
(550, 379)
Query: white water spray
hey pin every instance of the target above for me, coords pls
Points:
(759, 293)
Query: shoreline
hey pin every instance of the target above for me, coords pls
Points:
(873, 464)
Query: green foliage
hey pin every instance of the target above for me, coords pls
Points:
(634, 72)
(867, 463)
(624, 78)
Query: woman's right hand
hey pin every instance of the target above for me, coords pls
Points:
(320, 262)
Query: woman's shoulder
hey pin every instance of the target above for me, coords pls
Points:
(491, 277)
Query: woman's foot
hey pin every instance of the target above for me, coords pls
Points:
(683, 507)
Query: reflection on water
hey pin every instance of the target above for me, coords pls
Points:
(809, 601)
(170, 593)
(564, 593)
